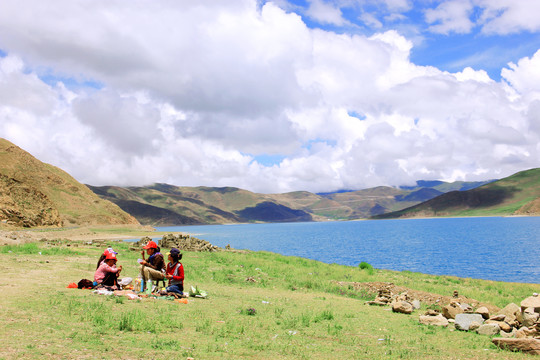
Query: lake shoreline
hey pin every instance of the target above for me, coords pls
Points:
(330, 249)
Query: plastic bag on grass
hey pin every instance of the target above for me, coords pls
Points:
(125, 281)
(196, 292)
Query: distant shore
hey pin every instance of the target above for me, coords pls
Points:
(79, 234)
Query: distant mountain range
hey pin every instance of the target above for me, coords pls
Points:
(164, 204)
(518, 194)
(34, 194)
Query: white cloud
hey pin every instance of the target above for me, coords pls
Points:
(192, 93)
(495, 16)
(509, 16)
(371, 20)
(525, 76)
(450, 16)
(325, 13)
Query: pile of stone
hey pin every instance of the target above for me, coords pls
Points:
(181, 241)
(400, 303)
(517, 326)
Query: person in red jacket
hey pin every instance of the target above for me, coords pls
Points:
(154, 267)
(175, 272)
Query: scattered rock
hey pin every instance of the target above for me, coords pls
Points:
(378, 303)
(520, 333)
(437, 320)
(482, 310)
(473, 326)
(451, 310)
(499, 317)
(531, 302)
(528, 346)
(510, 323)
(508, 335)
(502, 325)
(510, 309)
(488, 329)
(529, 317)
(403, 307)
(463, 321)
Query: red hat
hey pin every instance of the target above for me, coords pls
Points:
(109, 250)
(150, 245)
(110, 256)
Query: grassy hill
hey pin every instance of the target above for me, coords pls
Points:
(198, 205)
(164, 204)
(518, 194)
(33, 194)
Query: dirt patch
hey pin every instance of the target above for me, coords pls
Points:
(424, 297)
(14, 237)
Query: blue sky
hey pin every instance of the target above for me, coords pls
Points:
(273, 96)
(449, 50)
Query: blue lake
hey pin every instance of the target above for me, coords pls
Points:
(493, 248)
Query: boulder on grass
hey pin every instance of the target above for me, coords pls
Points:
(484, 311)
(438, 320)
(463, 321)
(451, 310)
(488, 329)
(526, 345)
(403, 307)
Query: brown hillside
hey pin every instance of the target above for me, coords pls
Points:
(33, 194)
(531, 208)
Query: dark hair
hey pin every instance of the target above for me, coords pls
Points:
(176, 258)
(101, 258)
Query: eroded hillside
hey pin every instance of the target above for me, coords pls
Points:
(33, 194)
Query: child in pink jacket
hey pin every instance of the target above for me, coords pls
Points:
(107, 273)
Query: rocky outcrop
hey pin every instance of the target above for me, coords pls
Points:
(25, 206)
(181, 242)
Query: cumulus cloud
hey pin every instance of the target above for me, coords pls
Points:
(525, 75)
(191, 94)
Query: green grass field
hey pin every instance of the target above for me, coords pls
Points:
(260, 306)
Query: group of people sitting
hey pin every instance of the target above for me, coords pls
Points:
(153, 268)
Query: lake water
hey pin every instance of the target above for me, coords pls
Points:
(493, 248)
